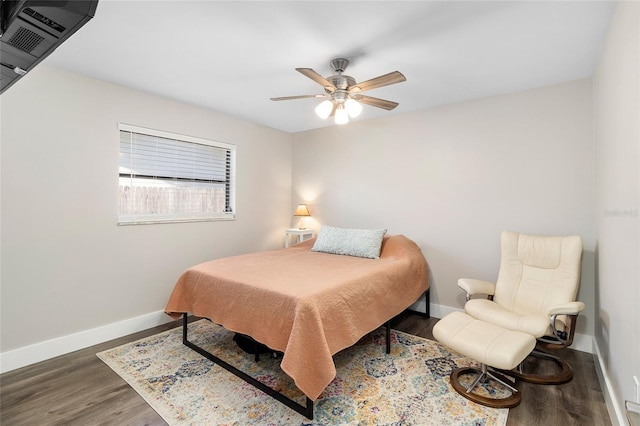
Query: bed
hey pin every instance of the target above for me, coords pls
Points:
(307, 304)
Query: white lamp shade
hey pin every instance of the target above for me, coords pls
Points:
(353, 107)
(342, 117)
(324, 109)
(302, 210)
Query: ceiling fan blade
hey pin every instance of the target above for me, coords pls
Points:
(379, 103)
(288, 98)
(384, 80)
(308, 72)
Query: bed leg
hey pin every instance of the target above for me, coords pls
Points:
(427, 310)
(184, 328)
(388, 330)
(309, 409)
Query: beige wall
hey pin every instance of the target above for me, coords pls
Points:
(452, 178)
(66, 266)
(617, 142)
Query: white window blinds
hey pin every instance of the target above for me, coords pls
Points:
(165, 177)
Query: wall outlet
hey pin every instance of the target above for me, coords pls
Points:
(636, 388)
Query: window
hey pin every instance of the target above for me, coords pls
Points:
(166, 177)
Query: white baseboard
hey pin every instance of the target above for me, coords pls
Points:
(582, 342)
(37, 352)
(436, 311)
(618, 418)
(440, 311)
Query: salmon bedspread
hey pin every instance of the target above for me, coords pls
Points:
(308, 305)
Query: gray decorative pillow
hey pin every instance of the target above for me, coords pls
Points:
(351, 242)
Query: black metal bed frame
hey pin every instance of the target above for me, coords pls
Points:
(307, 409)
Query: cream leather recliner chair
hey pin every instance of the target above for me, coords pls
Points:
(535, 294)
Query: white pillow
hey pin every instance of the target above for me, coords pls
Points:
(350, 242)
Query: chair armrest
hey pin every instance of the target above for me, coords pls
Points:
(571, 308)
(562, 338)
(473, 287)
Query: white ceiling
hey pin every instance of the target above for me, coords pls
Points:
(232, 56)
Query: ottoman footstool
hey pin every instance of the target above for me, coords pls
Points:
(490, 345)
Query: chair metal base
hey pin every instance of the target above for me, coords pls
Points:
(484, 374)
(565, 374)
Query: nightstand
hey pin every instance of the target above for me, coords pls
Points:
(302, 234)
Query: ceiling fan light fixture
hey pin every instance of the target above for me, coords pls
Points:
(353, 107)
(324, 109)
(343, 98)
(342, 116)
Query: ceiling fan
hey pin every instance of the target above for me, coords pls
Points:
(342, 95)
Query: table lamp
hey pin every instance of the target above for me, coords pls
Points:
(303, 211)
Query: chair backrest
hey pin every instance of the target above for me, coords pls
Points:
(537, 272)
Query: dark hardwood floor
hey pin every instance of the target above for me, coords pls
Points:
(79, 389)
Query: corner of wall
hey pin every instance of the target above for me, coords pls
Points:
(609, 394)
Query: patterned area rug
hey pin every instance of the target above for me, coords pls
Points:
(410, 386)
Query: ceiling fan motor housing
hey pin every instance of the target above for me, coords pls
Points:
(341, 82)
